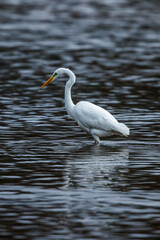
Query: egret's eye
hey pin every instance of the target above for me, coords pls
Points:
(55, 74)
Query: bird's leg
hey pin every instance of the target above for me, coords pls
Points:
(96, 138)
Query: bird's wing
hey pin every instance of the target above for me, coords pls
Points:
(92, 116)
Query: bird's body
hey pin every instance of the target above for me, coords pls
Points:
(91, 118)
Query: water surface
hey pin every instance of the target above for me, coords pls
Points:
(54, 182)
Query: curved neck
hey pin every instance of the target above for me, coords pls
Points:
(68, 100)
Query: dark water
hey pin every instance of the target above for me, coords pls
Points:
(54, 183)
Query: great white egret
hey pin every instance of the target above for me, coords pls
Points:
(91, 118)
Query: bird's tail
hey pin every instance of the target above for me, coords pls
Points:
(124, 130)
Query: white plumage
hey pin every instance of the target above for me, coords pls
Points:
(91, 118)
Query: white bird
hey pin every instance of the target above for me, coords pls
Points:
(91, 118)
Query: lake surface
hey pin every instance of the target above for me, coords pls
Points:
(54, 182)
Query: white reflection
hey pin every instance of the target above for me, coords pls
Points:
(98, 167)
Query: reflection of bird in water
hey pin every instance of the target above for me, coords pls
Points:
(91, 118)
(98, 166)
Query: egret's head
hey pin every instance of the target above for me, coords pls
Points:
(55, 75)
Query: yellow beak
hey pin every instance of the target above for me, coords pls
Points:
(48, 81)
